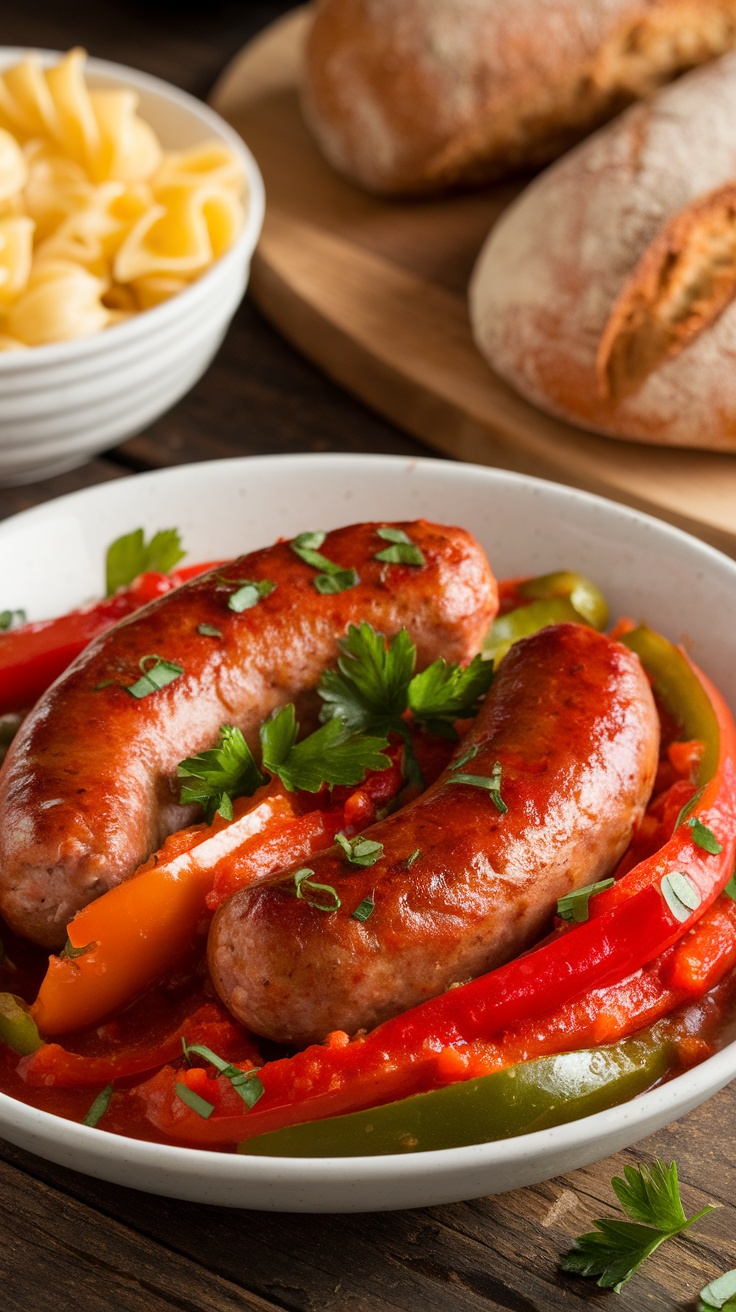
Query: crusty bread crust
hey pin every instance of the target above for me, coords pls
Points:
(605, 294)
(412, 96)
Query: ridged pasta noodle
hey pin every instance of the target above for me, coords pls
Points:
(97, 222)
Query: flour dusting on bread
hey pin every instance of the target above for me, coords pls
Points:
(560, 259)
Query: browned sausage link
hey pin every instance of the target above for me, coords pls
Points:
(572, 722)
(88, 788)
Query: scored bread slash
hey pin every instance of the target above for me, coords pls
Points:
(683, 282)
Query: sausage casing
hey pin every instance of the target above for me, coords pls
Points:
(572, 722)
(88, 789)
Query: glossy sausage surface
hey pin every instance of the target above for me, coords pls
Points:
(89, 786)
(571, 719)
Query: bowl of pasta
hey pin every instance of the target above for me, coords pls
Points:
(129, 212)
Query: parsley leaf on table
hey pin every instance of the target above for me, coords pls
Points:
(720, 1294)
(220, 774)
(131, 555)
(614, 1251)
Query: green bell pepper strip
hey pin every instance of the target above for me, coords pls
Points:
(563, 597)
(582, 593)
(533, 1095)
(700, 713)
(17, 1027)
(681, 692)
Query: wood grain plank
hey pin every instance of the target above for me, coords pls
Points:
(95, 1263)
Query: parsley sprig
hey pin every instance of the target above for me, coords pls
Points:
(131, 555)
(365, 698)
(614, 1251)
(375, 684)
(331, 755)
(220, 774)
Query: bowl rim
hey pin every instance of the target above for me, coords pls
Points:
(678, 1094)
(156, 316)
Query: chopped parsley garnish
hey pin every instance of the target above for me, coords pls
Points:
(575, 906)
(680, 894)
(247, 1084)
(730, 889)
(199, 1105)
(208, 631)
(414, 857)
(336, 580)
(9, 619)
(307, 887)
(364, 910)
(687, 808)
(614, 1251)
(131, 555)
(471, 753)
(331, 755)
(492, 785)
(332, 578)
(220, 774)
(99, 1107)
(70, 953)
(249, 594)
(704, 837)
(720, 1294)
(154, 676)
(360, 851)
(402, 550)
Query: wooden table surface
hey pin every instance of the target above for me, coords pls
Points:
(72, 1242)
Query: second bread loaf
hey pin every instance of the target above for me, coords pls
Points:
(605, 293)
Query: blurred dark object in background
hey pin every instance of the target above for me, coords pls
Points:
(186, 42)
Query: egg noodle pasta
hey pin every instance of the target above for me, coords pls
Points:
(97, 221)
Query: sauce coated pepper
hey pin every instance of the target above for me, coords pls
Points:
(519, 1100)
(557, 598)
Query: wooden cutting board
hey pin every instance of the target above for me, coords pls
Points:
(374, 293)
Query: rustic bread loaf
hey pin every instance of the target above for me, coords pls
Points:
(419, 95)
(605, 293)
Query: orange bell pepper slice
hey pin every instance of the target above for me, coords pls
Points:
(132, 934)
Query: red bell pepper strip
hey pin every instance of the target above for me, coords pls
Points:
(209, 1024)
(641, 921)
(35, 654)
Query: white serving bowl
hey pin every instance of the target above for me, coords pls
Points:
(52, 557)
(63, 403)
